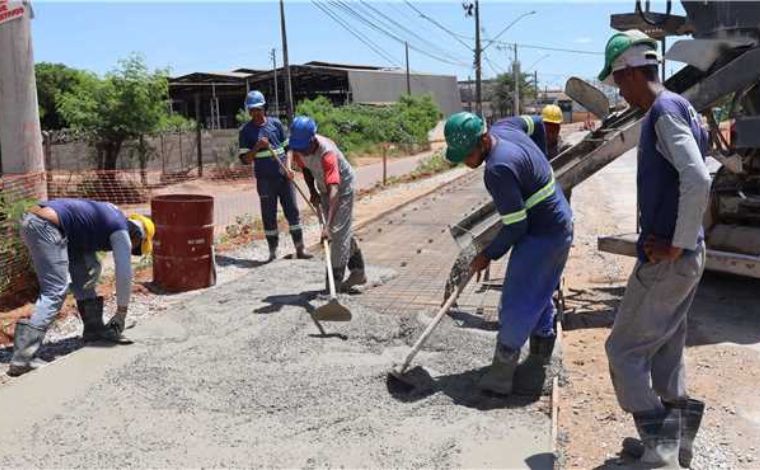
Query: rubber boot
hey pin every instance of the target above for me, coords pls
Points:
(301, 253)
(660, 433)
(691, 418)
(91, 313)
(272, 242)
(356, 274)
(338, 274)
(27, 340)
(500, 375)
(531, 374)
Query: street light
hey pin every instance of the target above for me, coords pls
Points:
(532, 12)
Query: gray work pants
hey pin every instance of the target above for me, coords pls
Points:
(57, 268)
(645, 347)
(341, 230)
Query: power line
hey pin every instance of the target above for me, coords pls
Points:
(372, 25)
(439, 25)
(386, 20)
(548, 48)
(375, 48)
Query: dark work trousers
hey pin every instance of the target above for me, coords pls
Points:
(270, 191)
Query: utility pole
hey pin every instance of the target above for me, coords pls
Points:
(408, 78)
(478, 75)
(20, 133)
(516, 71)
(469, 93)
(286, 64)
(276, 93)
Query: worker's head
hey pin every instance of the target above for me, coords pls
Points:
(630, 63)
(551, 115)
(255, 104)
(302, 133)
(466, 139)
(141, 232)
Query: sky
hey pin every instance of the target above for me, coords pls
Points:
(214, 36)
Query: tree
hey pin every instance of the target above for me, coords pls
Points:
(128, 103)
(52, 81)
(502, 98)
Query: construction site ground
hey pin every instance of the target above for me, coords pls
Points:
(238, 375)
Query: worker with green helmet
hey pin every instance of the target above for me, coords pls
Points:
(645, 347)
(536, 225)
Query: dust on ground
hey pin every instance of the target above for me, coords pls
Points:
(239, 375)
(722, 354)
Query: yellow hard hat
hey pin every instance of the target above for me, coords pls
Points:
(552, 113)
(149, 230)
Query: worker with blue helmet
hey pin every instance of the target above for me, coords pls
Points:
(331, 182)
(262, 140)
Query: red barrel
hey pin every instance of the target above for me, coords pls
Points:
(183, 247)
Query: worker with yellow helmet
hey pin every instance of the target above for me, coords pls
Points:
(63, 237)
(543, 130)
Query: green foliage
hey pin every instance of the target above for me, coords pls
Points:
(175, 123)
(502, 92)
(11, 247)
(356, 128)
(53, 80)
(242, 117)
(129, 102)
(434, 164)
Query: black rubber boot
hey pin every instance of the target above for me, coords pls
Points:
(272, 242)
(500, 376)
(660, 433)
(297, 236)
(692, 411)
(530, 376)
(27, 340)
(91, 313)
(356, 274)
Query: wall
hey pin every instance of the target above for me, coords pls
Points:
(374, 86)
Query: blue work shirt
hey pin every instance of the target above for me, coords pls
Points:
(520, 180)
(88, 225)
(533, 126)
(263, 165)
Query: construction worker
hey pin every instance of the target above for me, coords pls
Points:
(645, 347)
(63, 237)
(551, 116)
(537, 225)
(330, 179)
(259, 138)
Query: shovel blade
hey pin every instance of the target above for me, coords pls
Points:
(332, 311)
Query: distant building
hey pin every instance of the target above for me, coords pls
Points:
(216, 97)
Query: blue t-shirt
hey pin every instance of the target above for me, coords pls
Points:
(87, 224)
(263, 165)
(658, 182)
(533, 126)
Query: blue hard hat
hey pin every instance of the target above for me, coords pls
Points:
(255, 99)
(302, 131)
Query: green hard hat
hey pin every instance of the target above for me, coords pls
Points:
(619, 43)
(462, 131)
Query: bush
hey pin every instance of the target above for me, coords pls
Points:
(358, 128)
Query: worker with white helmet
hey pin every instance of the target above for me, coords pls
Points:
(645, 348)
(63, 237)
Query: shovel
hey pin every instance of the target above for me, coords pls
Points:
(332, 310)
(396, 379)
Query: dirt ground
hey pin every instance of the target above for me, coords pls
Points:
(723, 346)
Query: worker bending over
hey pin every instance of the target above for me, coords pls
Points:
(645, 347)
(259, 138)
(63, 237)
(543, 130)
(537, 225)
(330, 179)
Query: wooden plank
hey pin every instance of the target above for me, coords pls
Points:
(718, 261)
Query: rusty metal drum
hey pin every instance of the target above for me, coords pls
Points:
(183, 247)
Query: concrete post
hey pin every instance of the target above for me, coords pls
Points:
(20, 133)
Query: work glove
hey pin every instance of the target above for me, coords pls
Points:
(478, 264)
(658, 250)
